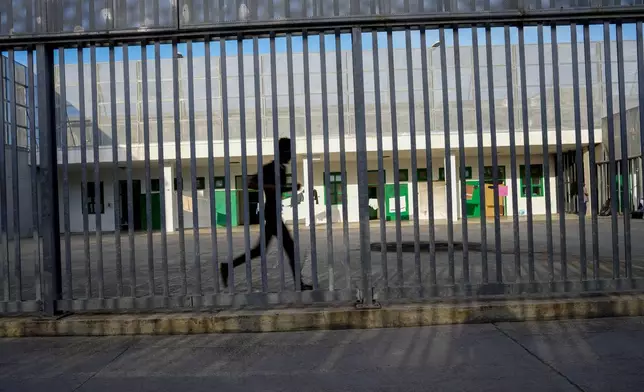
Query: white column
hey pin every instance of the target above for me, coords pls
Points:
(305, 187)
(168, 177)
(454, 186)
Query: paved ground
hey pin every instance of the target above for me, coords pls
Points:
(585, 355)
(324, 252)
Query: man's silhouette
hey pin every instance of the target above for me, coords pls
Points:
(270, 212)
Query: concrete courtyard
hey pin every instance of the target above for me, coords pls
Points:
(341, 268)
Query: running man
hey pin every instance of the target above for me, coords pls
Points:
(270, 213)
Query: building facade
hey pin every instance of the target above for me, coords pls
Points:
(88, 117)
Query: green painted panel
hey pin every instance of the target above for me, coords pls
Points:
(390, 200)
(220, 205)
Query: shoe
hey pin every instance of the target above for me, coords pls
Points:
(305, 287)
(223, 271)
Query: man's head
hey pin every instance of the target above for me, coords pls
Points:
(284, 146)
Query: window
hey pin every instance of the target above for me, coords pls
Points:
(175, 184)
(488, 175)
(536, 181)
(220, 182)
(155, 186)
(201, 183)
(335, 188)
(421, 174)
(403, 175)
(468, 172)
(91, 199)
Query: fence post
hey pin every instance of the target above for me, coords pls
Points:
(361, 147)
(50, 229)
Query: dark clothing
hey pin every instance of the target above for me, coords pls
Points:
(269, 174)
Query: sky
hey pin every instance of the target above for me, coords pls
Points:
(398, 39)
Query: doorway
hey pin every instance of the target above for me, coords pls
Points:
(136, 205)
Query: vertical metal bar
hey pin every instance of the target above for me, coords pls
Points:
(161, 162)
(83, 136)
(546, 155)
(141, 12)
(115, 176)
(594, 196)
(278, 190)
(193, 172)
(448, 160)
(92, 17)
(560, 159)
(291, 112)
(343, 158)
(640, 84)
(611, 150)
(260, 167)
(224, 113)
(626, 176)
(362, 167)
(526, 153)
(65, 169)
(513, 153)
(52, 275)
(211, 167)
(97, 174)
(17, 262)
(4, 235)
(495, 164)
(327, 164)
(157, 14)
(244, 161)
(179, 167)
(414, 163)
(581, 181)
(461, 155)
(400, 278)
(130, 186)
(35, 194)
(309, 157)
(481, 157)
(381, 163)
(428, 157)
(148, 170)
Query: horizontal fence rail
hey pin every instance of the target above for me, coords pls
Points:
(363, 165)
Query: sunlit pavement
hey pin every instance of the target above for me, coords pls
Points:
(591, 355)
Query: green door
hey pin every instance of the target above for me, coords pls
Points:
(220, 205)
(390, 202)
(473, 203)
(622, 199)
(155, 199)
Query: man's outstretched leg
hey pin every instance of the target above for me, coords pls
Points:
(289, 248)
(241, 259)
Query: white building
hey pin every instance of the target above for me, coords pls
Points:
(109, 169)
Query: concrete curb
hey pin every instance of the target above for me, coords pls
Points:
(394, 316)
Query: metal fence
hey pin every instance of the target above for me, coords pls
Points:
(443, 156)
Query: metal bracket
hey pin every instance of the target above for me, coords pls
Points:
(361, 304)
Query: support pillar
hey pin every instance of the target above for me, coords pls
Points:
(454, 186)
(168, 182)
